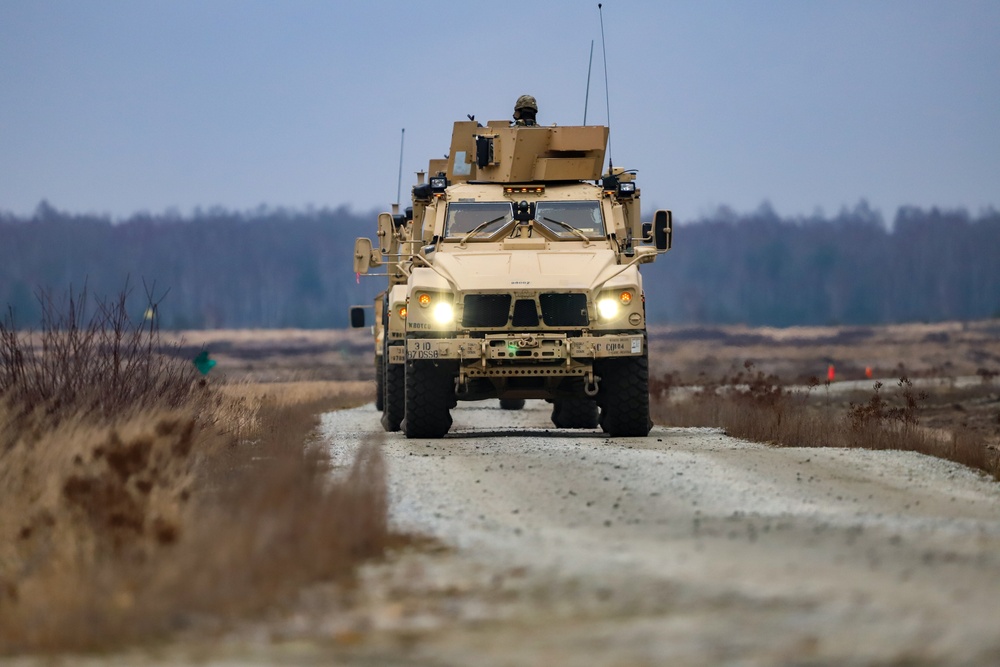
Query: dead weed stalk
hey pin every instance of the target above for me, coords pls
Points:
(102, 364)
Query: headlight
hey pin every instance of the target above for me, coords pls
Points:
(607, 308)
(443, 312)
(438, 184)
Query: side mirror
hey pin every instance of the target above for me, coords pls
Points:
(357, 317)
(362, 255)
(386, 226)
(663, 230)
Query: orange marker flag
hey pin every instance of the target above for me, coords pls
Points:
(830, 373)
(868, 372)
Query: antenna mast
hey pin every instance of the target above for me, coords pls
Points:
(590, 65)
(399, 179)
(607, 96)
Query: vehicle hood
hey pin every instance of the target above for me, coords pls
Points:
(527, 269)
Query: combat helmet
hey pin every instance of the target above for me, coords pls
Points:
(525, 102)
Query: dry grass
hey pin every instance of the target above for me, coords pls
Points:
(350, 393)
(102, 364)
(131, 523)
(755, 406)
(942, 349)
(282, 355)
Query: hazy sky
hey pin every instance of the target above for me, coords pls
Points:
(119, 106)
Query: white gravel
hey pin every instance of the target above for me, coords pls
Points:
(685, 547)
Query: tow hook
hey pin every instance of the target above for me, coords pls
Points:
(461, 385)
(590, 385)
(527, 341)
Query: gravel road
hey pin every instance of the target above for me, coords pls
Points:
(686, 547)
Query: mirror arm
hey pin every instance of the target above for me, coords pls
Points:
(436, 270)
(638, 259)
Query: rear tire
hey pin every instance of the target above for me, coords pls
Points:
(574, 413)
(430, 395)
(624, 396)
(394, 395)
(511, 403)
(379, 384)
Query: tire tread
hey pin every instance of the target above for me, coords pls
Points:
(430, 395)
(624, 396)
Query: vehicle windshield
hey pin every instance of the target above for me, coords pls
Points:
(483, 217)
(562, 217)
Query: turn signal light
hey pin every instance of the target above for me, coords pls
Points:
(402, 312)
(424, 300)
(625, 298)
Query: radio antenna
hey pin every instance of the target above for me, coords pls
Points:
(607, 96)
(590, 65)
(399, 179)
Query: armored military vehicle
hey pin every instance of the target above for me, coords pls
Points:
(516, 276)
(395, 247)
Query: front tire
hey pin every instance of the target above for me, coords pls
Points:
(395, 390)
(574, 413)
(624, 396)
(430, 395)
(379, 383)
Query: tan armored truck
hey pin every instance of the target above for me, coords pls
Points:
(395, 249)
(517, 277)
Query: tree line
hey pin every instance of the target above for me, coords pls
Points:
(277, 268)
(760, 269)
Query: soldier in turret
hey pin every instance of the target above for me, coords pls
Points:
(525, 110)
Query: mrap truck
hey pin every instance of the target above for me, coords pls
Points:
(515, 275)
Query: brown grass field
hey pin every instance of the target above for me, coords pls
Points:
(932, 387)
(160, 502)
(127, 521)
(955, 365)
(947, 349)
(939, 355)
(794, 354)
(957, 400)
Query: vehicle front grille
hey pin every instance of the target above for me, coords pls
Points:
(525, 313)
(558, 309)
(486, 310)
(564, 310)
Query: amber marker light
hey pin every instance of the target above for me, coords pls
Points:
(625, 297)
(424, 300)
(402, 312)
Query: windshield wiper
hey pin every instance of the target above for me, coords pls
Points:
(480, 227)
(569, 227)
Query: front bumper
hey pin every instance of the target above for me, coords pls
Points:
(509, 354)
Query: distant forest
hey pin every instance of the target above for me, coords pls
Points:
(271, 268)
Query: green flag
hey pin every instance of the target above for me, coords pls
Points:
(203, 363)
